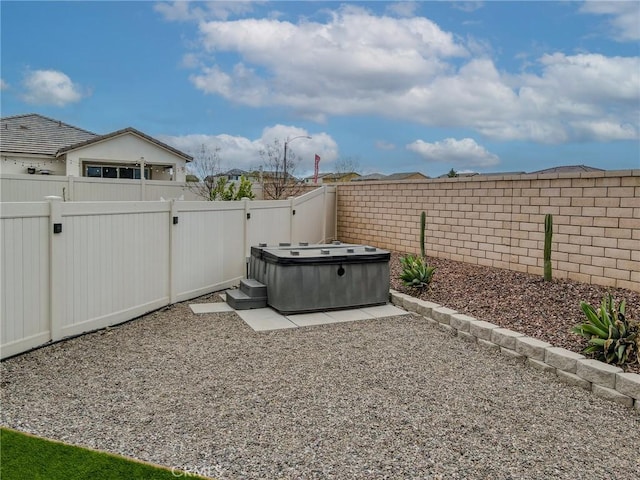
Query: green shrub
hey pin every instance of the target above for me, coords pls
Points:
(227, 191)
(415, 271)
(612, 338)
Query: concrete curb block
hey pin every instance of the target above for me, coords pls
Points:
(443, 314)
(604, 380)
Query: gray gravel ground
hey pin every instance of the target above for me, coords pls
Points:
(393, 398)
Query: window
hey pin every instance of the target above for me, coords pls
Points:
(94, 171)
(126, 172)
(109, 172)
(115, 171)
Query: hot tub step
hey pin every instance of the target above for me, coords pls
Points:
(253, 288)
(239, 300)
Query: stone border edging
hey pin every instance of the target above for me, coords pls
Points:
(604, 380)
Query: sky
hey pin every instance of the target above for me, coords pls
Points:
(385, 87)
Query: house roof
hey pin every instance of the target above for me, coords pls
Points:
(370, 176)
(235, 172)
(117, 133)
(570, 168)
(36, 134)
(404, 175)
(39, 135)
(337, 176)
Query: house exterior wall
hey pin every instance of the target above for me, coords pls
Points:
(19, 164)
(126, 149)
(498, 221)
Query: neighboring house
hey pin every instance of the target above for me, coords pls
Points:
(406, 176)
(461, 174)
(37, 144)
(332, 177)
(560, 169)
(569, 169)
(310, 179)
(235, 174)
(393, 176)
(340, 177)
(370, 176)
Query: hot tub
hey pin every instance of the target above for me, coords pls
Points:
(309, 278)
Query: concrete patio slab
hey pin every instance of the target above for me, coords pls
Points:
(381, 311)
(264, 319)
(310, 319)
(349, 315)
(210, 307)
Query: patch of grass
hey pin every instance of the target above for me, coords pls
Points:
(25, 456)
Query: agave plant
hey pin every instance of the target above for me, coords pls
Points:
(611, 336)
(416, 272)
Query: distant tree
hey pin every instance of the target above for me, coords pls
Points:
(347, 165)
(206, 180)
(205, 167)
(452, 173)
(277, 173)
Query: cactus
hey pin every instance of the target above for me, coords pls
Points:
(415, 272)
(548, 232)
(423, 221)
(612, 337)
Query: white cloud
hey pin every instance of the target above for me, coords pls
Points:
(624, 18)
(3, 85)
(185, 11)
(605, 130)
(244, 153)
(190, 60)
(343, 66)
(460, 153)
(384, 145)
(357, 63)
(467, 6)
(50, 87)
(402, 9)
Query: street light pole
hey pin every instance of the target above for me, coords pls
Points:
(285, 152)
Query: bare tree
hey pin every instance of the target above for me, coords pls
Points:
(204, 172)
(277, 172)
(347, 165)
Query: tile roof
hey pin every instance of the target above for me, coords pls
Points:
(570, 168)
(370, 176)
(235, 172)
(36, 134)
(404, 175)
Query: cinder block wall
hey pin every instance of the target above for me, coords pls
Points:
(499, 221)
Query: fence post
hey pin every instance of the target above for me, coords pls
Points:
(174, 222)
(324, 214)
(292, 214)
(247, 247)
(71, 187)
(57, 292)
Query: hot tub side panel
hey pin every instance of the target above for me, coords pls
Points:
(309, 288)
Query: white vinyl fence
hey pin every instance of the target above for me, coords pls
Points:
(33, 188)
(73, 267)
